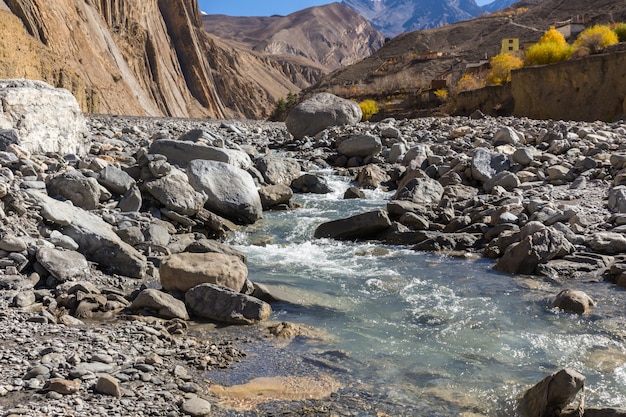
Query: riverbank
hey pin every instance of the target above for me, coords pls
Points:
(567, 179)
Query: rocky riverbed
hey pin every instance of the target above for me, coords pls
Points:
(111, 246)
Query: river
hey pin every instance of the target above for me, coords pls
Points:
(431, 331)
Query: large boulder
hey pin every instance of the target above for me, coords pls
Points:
(610, 243)
(183, 152)
(160, 304)
(115, 180)
(361, 145)
(311, 183)
(275, 195)
(46, 119)
(362, 226)
(573, 301)
(63, 265)
(321, 112)
(175, 193)
(277, 170)
(535, 248)
(224, 305)
(486, 164)
(617, 199)
(231, 191)
(420, 190)
(95, 237)
(181, 272)
(72, 185)
(552, 394)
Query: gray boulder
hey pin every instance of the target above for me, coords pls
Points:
(63, 265)
(420, 190)
(115, 180)
(8, 137)
(175, 193)
(311, 183)
(46, 119)
(161, 304)
(416, 156)
(362, 226)
(181, 272)
(536, 248)
(321, 112)
(231, 191)
(505, 179)
(72, 185)
(507, 136)
(361, 145)
(224, 305)
(96, 238)
(276, 170)
(486, 164)
(181, 152)
(617, 199)
(610, 243)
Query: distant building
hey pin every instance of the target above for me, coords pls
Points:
(509, 45)
(477, 67)
(569, 29)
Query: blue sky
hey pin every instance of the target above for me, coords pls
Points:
(264, 7)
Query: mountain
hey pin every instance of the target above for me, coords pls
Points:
(499, 5)
(393, 17)
(332, 35)
(409, 62)
(140, 58)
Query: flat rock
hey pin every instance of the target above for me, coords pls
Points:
(183, 152)
(224, 305)
(163, 305)
(64, 265)
(196, 407)
(184, 271)
(362, 226)
(96, 239)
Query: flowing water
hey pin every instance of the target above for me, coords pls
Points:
(432, 331)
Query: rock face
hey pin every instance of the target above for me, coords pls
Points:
(231, 191)
(320, 112)
(46, 119)
(153, 59)
(184, 271)
(222, 304)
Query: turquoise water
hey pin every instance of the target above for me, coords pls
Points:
(432, 330)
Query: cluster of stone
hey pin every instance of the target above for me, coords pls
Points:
(105, 218)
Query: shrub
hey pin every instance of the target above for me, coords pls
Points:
(547, 53)
(553, 36)
(592, 40)
(369, 108)
(469, 82)
(501, 67)
(620, 31)
(441, 94)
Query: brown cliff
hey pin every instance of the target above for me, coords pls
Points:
(137, 58)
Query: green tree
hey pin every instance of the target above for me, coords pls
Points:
(620, 31)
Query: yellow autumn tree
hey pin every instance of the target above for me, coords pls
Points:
(369, 108)
(592, 40)
(552, 47)
(501, 67)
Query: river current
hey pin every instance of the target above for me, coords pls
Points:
(428, 330)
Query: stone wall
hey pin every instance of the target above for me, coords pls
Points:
(591, 88)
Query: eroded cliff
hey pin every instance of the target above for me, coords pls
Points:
(137, 58)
